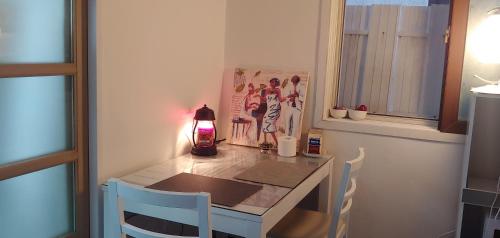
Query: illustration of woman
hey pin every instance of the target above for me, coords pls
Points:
(273, 100)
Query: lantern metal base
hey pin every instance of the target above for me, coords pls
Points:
(204, 151)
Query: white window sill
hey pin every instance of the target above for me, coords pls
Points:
(392, 129)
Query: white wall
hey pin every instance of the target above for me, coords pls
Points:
(156, 60)
(278, 34)
(408, 188)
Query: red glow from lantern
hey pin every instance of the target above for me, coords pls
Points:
(205, 133)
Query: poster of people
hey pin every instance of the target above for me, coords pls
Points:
(266, 104)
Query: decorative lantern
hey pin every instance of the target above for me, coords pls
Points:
(204, 132)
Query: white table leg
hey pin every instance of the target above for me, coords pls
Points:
(325, 191)
(254, 230)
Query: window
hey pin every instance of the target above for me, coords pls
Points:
(401, 58)
(43, 104)
(393, 57)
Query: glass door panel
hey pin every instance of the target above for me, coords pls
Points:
(38, 204)
(36, 117)
(34, 31)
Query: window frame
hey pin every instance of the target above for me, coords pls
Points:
(79, 154)
(328, 72)
(450, 99)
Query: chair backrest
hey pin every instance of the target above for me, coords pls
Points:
(120, 192)
(343, 200)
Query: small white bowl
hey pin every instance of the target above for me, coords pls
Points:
(338, 113)
(357, 115)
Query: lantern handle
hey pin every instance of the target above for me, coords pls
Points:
(194, 129)
(215, 130)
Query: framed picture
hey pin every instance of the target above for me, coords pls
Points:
(266, 104)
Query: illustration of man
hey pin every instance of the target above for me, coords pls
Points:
(249, 104)
(295, 100)
(260, 112)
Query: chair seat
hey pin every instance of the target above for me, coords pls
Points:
(300, 223)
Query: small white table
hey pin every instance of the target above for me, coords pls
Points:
(255, 216)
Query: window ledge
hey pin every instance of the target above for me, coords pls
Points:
(392, 129)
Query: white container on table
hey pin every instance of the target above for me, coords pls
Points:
(287, 146)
